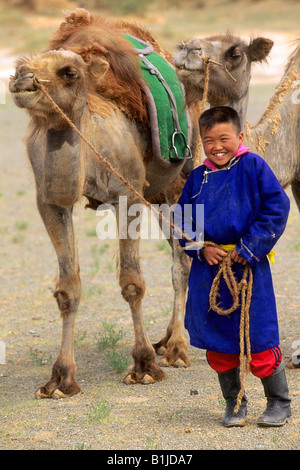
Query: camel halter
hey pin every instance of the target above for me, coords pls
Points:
(242, 289)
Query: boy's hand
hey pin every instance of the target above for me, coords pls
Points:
(237, 258)
(213, 254)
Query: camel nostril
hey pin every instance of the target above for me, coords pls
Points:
(27, 75)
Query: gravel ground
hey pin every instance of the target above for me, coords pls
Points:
(163, 416)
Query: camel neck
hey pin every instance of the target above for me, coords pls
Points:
(240, 107)
(61, 167)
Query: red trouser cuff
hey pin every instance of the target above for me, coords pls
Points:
(262, 364)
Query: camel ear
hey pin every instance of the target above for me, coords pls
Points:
(259, 49)
(97, 68)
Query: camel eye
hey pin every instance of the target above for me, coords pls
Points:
(68, 72)
(234, 53)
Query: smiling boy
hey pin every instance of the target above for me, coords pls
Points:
(244, 206)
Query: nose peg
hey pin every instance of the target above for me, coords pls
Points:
(209, 61)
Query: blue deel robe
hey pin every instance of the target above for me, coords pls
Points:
(244, 205)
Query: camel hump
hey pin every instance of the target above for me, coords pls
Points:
(79, 16)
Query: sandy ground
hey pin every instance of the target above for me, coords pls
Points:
(163, 416)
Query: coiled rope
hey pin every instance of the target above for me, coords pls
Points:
(241, 293)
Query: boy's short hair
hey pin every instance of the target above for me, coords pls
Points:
(218, 115)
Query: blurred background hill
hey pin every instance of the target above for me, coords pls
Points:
(27, 25)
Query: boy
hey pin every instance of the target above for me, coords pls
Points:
(244, 206)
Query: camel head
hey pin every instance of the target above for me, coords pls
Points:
(66, 77)
(229, 59)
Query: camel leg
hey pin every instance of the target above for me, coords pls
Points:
(173, 346)
(59, 224)
(145, 370)
(296, 192)
(292, 364)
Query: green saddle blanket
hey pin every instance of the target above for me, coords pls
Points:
(168, 115)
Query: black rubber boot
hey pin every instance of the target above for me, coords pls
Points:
(278, 408)
(230, 386)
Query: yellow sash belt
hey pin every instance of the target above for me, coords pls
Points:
(271, 255)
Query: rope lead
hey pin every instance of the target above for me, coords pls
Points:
(241, 293)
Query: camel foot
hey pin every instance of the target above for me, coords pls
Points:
(57, 393)
(161, 350)
(173, 353)
(294, 364)
(179, 362)
(62, 383)
(132, 379)
(145, 378)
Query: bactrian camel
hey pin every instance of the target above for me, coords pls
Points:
(90, 71)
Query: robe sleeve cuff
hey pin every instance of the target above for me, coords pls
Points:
(199, 255)
(246, 253)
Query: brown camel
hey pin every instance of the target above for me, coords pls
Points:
(90, 71)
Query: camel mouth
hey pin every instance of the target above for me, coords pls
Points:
(186, 68)
(25, 98)
(21, 92)
(23, 83)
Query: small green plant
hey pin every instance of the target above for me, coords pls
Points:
(150, 442)
(296, 246)
(111, 266)
(110, 337)
(91, 233)
(118, 361)
(163, 245)
(21, 225)
(91, 291)
(166, 311)
(21, 192)
(98, 250)
(98, 412)
(82, 446)
(38, 357)
(17, 238)
(221, 401)
(79, 337)
(71, 418)
(174, 415)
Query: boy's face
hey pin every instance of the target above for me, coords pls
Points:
(221, 143)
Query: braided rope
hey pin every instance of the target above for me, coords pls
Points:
(241, 293)
(202, 108)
